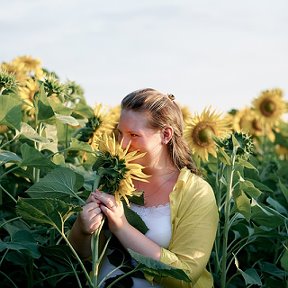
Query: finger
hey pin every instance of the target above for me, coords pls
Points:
(106, 211)
(91, 198)
(92, 206)
(107, 200)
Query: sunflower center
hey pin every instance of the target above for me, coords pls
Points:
(268, 107)
(203, 135)
(256, 125)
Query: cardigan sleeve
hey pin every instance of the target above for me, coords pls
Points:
(194, 217)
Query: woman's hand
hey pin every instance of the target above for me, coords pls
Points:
(91, 215)
(113, 210)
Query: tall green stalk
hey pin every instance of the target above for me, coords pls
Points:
(227, 212)
(95, 254)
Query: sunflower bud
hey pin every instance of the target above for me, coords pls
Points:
(7, 81)
(53, 86)
(239, 141)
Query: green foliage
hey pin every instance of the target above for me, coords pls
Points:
(48, 169)
(252, 201)
(157, 268)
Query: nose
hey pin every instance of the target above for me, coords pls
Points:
(124, 141)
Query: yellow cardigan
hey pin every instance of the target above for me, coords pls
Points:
(194, 220)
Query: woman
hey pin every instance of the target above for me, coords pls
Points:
(179, 206)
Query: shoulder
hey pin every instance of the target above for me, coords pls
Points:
(191, 189)
(189, 182)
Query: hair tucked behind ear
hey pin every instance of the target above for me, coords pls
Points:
(163, 111)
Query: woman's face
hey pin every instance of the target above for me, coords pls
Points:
(133, 128)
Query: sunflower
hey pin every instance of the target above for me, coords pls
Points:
(27, 93)
(186, 114)
(116, 169)
(103, 121)
(201, 130)
(281, 151)
(248, 121)
(270, 107)
(28, 65)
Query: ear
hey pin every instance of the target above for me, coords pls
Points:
(167, 133)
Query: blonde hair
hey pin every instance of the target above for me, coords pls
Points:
(163, 111)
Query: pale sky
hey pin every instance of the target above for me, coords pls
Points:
(220, 53)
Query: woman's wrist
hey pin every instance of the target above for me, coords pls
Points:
(79, 226)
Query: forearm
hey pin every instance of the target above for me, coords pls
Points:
(133, 239)
(79, 240)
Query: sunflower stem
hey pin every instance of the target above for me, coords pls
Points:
(95, 254)
(227, 212)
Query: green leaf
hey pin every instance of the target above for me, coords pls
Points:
(135, 220)
(53, 212)
(44, 108)
(246, 164)
(284, 260)
(259, 185)
(77, 145)
(243, 204)
(7, 156)
(277, 206)
(60, 183)
(234, 141)
(250, 189)
(59, 253)
(265, 216)
(52, 137)
(32, 157)
(28, 132)
(67, 120)
(157, 268)
(272, 269)
(22, 240)
(10, 112)
(284, 190)
(251, 277)
(223, 157)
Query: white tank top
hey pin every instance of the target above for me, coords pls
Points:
(157, 219)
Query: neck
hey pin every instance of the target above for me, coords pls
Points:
(160, 171)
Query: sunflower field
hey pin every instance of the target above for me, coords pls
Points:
(55, 149)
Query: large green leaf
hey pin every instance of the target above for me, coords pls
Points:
(272, 269)
(7, 156)
(157, 268)
(22, 241)
(242, 203)
(32, 157)
(251, 277)
(259, 185)
(249, 188)
(60, 183)
(264, 215)
(10, 112)
(53, 212)
(28, 132)
(277, 206)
